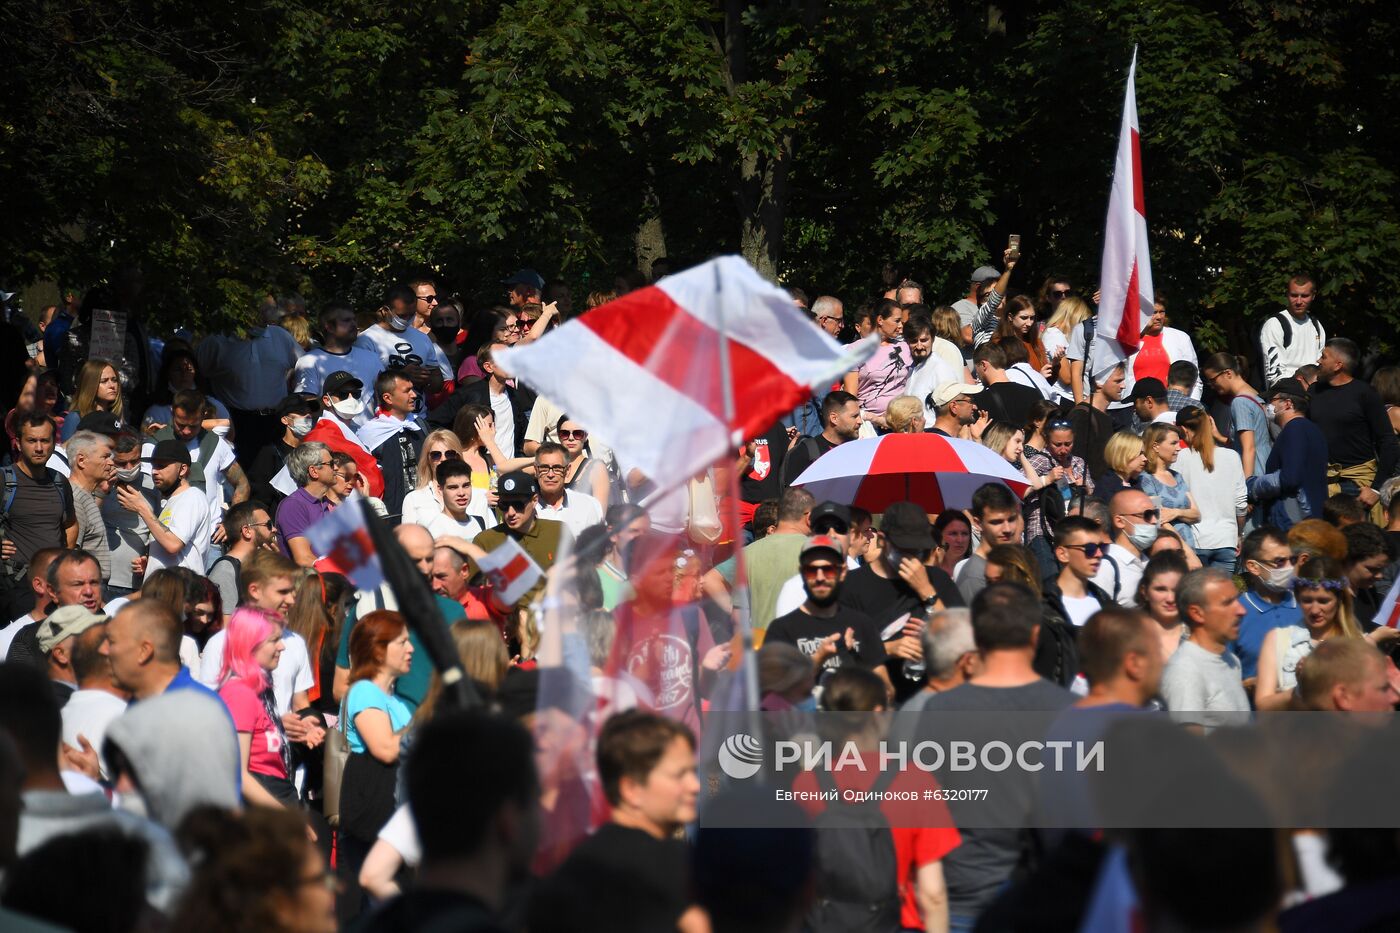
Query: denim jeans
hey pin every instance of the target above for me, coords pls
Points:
(1222, 557)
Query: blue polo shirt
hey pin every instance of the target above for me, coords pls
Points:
(1260, 618)
(185, 681)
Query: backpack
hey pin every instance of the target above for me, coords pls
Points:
(1056, 655)
(809, 444)
(1285, 321)
(856, 870)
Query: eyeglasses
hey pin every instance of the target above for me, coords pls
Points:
(550, 468)
(430, 299)
(444, 455)
(1061, 292)
(1147, 514)
(1092, 549)
(579, 435)
(818, 571)
(328, 463)
(269, 523)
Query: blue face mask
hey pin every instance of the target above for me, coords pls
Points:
(809, 705)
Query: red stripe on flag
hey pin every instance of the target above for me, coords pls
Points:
(1130, 324)
(661, 337)
(1139, 203)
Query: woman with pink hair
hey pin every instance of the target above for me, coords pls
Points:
(251, 652)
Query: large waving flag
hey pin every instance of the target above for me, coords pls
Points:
(646, 371)
(1125, 302)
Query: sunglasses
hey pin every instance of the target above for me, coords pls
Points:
(1277, 562)
(579, 435)
(1092, 549)
(430, 299)
(1057, 424)
(1150, 515)
(444, 455)
(517, 505)
(818, 571)
(342, 395)
(1061, 292)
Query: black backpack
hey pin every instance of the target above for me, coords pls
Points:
(1056, 654)
(1285, 321)
(807, 443)
(856, 870)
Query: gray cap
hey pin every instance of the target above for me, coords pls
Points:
(985, 274)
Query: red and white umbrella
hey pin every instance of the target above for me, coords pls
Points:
(934, 471)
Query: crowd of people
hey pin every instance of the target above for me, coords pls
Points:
(205, 724)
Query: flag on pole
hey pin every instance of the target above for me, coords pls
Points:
(1125, 302)
(1388, 614)
(510, 570)
(644, 371)
(342, 537)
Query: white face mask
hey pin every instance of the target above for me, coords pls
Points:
(1279, 579)
(348, 408)
(1270, 412)
(302, 427)
(129, 475)
(1142, 535)
(400, 324)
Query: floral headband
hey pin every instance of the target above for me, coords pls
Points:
(1335, 584)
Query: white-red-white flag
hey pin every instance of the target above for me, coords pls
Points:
(1125, 279)
(510, 570)
(341, 537)
(645, 371)
(1389, 612)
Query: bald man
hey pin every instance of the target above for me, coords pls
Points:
(1346, 674)
(1133, 528)
(143, 647)
(413, 686)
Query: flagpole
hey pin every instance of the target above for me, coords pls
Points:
(741, 583)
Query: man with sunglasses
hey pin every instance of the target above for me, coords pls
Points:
(1079, 548)
(426, 292)
(541, 538)
(1134, 528)
(1269, 569)
(403, 347)
(830, 634)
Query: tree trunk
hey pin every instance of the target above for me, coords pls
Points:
(651, 232)
(763, 209)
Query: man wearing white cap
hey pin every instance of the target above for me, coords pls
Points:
(67, 634)
(967, 305)
(954, 409)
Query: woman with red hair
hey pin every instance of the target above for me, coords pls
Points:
(251, 652)
(375, 719)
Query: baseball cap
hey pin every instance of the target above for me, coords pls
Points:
(1147, 388)
(985, 274)
(951, 391)
(822, 543)
(101, 422)
(524, 277)
(906, 526)
(516, 486)
(169, 451)
(64, 622)
(825, 515)
(300, 403)
(340, 382)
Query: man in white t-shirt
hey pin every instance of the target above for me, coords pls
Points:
(212, 458)
(1134, 522)
(180, 534)
(341, 350)
(576, 509)
(403, 347)
(1079, 548)
(454, 478)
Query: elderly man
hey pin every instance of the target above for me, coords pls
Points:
(314, 473)
(91, 472)
(67, 638)
(577, 510)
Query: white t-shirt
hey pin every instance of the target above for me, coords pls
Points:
(186, 516)
(291, 676)
(424, 504)
(360, 361)
(444, 524)
(189, 655)
(400, 833)
(1120, 572)
(88, 713)
(505, 422)
(578, 510)
(1079, 607)
(1053, 340)
(404, 348)
(926, 378)
(220, 459)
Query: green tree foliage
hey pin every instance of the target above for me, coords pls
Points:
(330, 147)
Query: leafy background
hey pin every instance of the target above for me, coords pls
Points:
(231, 149)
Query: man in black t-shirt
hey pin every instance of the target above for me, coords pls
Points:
(898, 590)
(828, 633)
(840, 423)
(1001, 398)
(633, 873)
(762, 478)
(38, 511)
